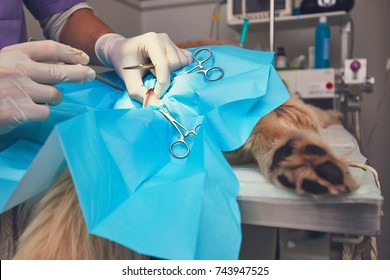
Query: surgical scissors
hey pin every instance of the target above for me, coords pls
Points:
(212, 74)
(182, 131)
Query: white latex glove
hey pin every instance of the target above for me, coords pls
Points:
(28, 72)
(116, 51)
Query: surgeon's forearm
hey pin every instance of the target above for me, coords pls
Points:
(82, 30)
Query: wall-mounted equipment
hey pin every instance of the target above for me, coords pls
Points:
(325, 6)
(310, 83)
(255, 10)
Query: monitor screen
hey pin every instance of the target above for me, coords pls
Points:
(255, 6)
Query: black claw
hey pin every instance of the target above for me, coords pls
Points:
(280, 154)
(330, 172)
(314, 150)
(285, 182)
(313, 187)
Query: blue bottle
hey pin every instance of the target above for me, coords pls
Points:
(322, 44)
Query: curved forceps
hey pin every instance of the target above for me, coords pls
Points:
(183, 133)
(208, 73)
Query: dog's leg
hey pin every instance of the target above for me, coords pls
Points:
(57, 230)
(287, 146)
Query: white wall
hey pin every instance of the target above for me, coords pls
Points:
(183, 22)
(372, 41)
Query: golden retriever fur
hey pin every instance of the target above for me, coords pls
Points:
(286, 144)
(57, 230)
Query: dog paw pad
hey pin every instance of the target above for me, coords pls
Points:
(283, 152)
(306, 165)
(312, 187)
(314, 150)
(285, 182)
(330, 172)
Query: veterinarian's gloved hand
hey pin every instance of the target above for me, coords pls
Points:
(116, 51)
(28, 72)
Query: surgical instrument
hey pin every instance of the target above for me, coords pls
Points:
(140, 66)
(212, 74)
(182, 131)
(208, 73)
(108, 82)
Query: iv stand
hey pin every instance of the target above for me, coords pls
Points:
(271, 24)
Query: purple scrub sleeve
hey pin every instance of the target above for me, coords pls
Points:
(12, 20)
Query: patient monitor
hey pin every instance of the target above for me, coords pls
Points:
(255, 10)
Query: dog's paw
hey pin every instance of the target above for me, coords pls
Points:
(307, 165)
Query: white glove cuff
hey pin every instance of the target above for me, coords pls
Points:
(103, 45)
